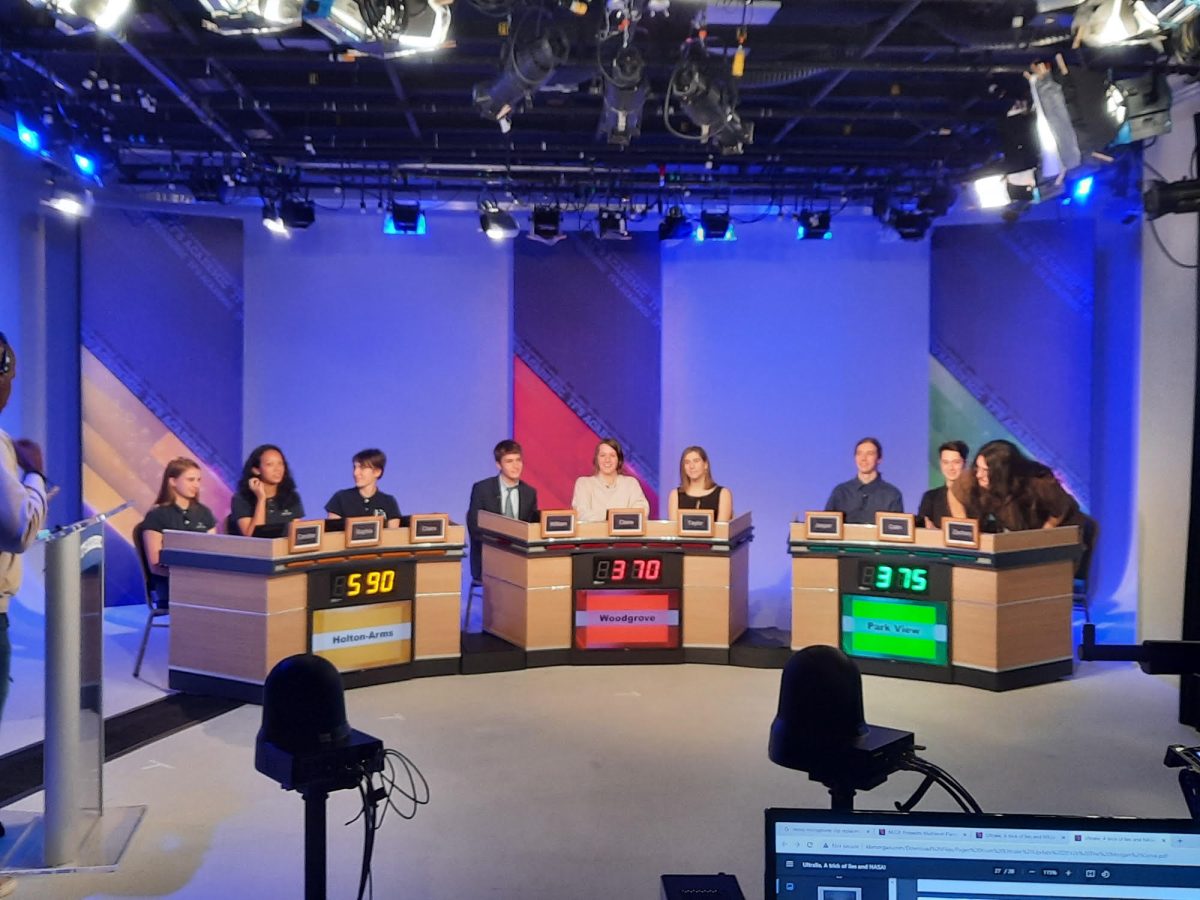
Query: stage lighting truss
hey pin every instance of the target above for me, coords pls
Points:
(384, 28)
(83, 16)
(252, 16)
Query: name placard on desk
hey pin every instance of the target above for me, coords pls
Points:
(626, 522)
(823, 526)
(364, 531)
(429, 527)
(961, 533)
(696, 522)
(558, 523)
(900, 527)
(305, 535)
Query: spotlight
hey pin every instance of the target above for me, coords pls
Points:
(70, 202)
(613, 225)
(715, 226)
(272, 221)
(991, 191)
(675, 225)
(708, 98)
(30, 139)
(1081, 190)
(498, 224)
(404, 218)
(1161, 198)
(383, 28)
(547, 227)
(527, 67)
(85, 163)
(813, 225)
(235, 17)
(1141, 107)
(624, 96)
(1103, 23)
(81, 16)
(938, 199)
(297, 213)
(911, 226)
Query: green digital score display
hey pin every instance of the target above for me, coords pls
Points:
(893, 579)
(893, 628)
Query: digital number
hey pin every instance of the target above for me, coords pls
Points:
(388, 581)
(353, 584)
(884, 575)
(653, 569)
(639, 570)
(339, 585)
(603, 567)
(618, 569)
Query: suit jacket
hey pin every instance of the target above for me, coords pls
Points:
(485, 495)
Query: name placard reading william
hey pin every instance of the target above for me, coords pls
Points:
(961, 533)
(364, 531)
(900, 527)
(623, 522)
(696, 522)
(823, 526)
(428, 527)
(558, 523)
(305, 535)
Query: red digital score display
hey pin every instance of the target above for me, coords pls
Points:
(618, 570)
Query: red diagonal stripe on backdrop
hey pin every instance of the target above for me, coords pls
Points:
(558, 445)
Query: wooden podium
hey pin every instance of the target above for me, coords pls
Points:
(995, 616)
(239, 605)
(537, 590)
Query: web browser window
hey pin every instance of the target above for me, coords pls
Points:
(863, 855)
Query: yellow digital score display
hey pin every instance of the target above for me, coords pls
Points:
(375, 583)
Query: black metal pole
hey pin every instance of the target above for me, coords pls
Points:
(314, 844)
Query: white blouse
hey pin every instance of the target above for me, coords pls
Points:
(593, 498)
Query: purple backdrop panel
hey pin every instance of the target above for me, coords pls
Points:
(1011, 313)
(162, 310)
(587, 320)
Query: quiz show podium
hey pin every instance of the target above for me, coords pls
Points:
(987, 610)
(629, 590)
(381, 604)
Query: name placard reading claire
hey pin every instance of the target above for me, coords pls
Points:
(428, 527)
(626, 522)
(899, 527)
(696, 522)
(364, 531)
(305, 535)
(558, 523)
(823, 526)
(961, 533)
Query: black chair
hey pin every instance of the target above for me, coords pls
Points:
(1081, 594)
(153, 612)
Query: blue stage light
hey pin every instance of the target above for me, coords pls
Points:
(86, 165)
(404, 218)
(30, 139)
(1083, 189)
(715, 226)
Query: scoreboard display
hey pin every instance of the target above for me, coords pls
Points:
(895, 610)
(627, 600)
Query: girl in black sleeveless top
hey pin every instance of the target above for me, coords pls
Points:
(697, 490)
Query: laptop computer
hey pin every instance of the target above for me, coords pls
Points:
(864, 855)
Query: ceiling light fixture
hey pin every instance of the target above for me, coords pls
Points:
(546, 224)
(527, 66)
(383, 28)
(496, 223)
(624, 96)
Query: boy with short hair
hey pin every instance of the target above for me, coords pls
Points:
(365, 498)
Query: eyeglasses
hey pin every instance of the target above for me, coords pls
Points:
(6, 357)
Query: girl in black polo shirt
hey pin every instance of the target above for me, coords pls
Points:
(177, 508)
(266, 493)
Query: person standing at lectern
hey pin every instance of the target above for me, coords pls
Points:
(697, 490)
(939, 503)
(867, 493)
(22, 513)
(365, 498)
(177, 508)
(607, 487)
(505, 494)
(266, 493)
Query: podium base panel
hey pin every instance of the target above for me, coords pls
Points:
(483, 652)
(100, 850)
(1011, 679)
(626, 657)
(708, 656)
(761, 648)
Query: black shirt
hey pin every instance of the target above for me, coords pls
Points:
(935, 506)
(350, 503)
(169, 517)
(858, 501)
(242, 508)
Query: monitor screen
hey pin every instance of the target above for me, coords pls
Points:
(861, 855)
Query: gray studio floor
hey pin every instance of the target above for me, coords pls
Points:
(592, 782)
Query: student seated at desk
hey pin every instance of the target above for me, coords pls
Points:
(177, 508)
(607, 487)
(939, 503)
(867, 493)
(697, 490)
(504, 493)
(266, 493)
(365, 498)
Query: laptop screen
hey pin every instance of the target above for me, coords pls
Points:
(862, 855)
